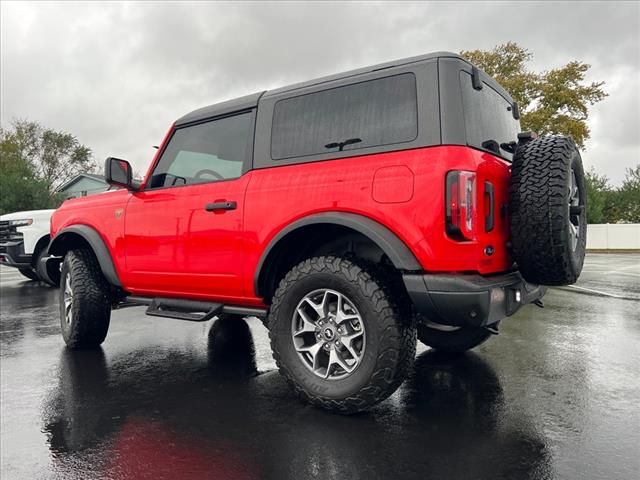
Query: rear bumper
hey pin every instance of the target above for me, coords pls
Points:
(463, 299)
(12, 255)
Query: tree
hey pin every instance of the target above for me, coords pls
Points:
(551, 102)
(628, 196)
(19, 187)
(598, 195)
(55, 157)
(35, 161)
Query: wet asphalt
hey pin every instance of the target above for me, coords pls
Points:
(555, 395)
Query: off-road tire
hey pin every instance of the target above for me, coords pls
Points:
(388, 322)
(455, 341)
(540, 212)
(30, 274)
(91, 305)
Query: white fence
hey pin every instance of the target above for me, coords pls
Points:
(611, 236)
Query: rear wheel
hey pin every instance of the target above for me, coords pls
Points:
(85, 307)
(338, 336)
(447, 338)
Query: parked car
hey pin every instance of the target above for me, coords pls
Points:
(24, 238)
(353, 213)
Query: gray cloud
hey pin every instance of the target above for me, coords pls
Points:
(116, 75)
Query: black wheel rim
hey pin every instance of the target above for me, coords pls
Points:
(68, 299)
(576, 208)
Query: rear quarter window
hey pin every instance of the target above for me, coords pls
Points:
(487, 115)
(367, 114)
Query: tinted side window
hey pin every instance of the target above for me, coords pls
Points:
(487, 115)
(372, 113)
(206, 152)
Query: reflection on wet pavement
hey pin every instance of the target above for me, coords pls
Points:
(554, 396)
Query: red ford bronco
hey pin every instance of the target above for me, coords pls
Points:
(353, 213)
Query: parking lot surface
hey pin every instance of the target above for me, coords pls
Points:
(555, 395)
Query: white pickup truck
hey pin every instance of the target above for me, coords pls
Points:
(24, 238)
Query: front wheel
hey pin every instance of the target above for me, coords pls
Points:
(451, 339)
(85, 308)
(339, 335)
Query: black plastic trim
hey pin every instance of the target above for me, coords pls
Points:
(108, 173)
(134, 300)
(182, 309)
(468, 299)
(216, 206)
(13, 255)
(246, 311)
(405, 62)
(223, 108)
(515, 110)
(400, 255)
(97, 244)
(489, 219)
(476, 81)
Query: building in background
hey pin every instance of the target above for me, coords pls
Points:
(83, 185)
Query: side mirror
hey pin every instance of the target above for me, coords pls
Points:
(118, 172)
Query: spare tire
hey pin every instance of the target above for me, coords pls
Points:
(548, 210)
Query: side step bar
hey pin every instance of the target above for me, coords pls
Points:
(191, 310)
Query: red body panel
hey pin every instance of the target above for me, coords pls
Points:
(163, 242)
(277, 197)
(104, 212)
(173, 246)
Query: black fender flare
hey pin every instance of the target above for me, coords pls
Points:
(58, 247)
(400, 255)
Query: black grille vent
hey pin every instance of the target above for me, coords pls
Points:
(9, 233)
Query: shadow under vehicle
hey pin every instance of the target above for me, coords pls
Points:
(174, 415)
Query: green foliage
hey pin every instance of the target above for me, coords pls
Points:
(608, 205)
(35, 161)
(551, 102)
(598, 195)
(628, 196)
(56, 157)
(19, 187)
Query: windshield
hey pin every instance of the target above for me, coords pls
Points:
(487, 116)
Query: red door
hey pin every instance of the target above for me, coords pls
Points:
(183, 232)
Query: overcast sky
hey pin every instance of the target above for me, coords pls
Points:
(117, 74)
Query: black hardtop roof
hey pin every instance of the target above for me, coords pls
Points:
(251, 101)
(233, 105)
(360, 71)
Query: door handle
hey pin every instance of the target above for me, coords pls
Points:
(225, 205)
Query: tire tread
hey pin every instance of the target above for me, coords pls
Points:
(540, 177)
(92, 305)
(398, 333)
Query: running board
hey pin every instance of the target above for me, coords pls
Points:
(192, 310)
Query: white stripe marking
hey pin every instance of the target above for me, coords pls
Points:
(598, 292)
(629, 267)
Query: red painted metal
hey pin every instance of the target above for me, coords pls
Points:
(163, 242)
